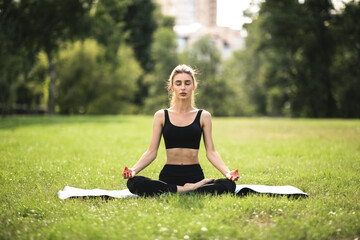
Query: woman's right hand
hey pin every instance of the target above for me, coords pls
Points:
(128, 173)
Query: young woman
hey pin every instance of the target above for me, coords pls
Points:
(181, 126)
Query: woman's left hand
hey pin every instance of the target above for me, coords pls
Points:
(128, 173)
(233, 175)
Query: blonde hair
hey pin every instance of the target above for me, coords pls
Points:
(182, 68)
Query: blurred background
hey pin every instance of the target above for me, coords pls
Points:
(283, 58)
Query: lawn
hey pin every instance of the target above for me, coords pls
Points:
(41, 155)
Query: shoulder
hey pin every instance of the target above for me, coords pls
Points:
(159, 113)
(159, 116)
(205, 118)
(205, 114)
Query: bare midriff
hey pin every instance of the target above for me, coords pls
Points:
(182, 156)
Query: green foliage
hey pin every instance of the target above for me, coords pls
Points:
(140, 22)
(21, 82)
(345, 68)
(41, 155)
(245, 71)
(27, 29)
(34, 91)
(16, 54)
(89, 84)
(300, 60)
(132, 22)
(166, 58)
(30, 26)
(293, 64)
(214, 92)
(316, 87)
(108, 25)
(11, 77)
(234, 74)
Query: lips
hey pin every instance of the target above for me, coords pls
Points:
(183, 94)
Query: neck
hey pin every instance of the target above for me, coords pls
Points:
(182, 106)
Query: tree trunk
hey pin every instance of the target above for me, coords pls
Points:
(51, 100)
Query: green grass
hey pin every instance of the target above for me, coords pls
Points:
(41, 155)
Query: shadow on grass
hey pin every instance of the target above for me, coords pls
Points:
(247, 191)
(14, 122)
(92, 198)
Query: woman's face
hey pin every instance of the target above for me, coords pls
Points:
(183, 85)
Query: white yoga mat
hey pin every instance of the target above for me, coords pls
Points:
(265, 189)
(241, 190)
(79, 192)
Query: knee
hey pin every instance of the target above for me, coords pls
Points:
(133, 183)
(228, 185)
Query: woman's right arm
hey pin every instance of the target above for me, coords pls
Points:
(151, 153)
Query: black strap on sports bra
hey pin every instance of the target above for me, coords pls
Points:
(182, 137)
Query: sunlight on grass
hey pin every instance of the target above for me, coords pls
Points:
(41, 155)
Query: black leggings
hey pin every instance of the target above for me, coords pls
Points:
(172, 176)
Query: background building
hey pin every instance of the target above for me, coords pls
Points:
(195, 18)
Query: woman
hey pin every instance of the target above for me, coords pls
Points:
(181, 126)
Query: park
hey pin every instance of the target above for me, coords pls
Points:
(81, 86)
(41, 155)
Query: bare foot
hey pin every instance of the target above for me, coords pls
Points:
(192, 186)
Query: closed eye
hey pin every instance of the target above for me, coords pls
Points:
(178, 82)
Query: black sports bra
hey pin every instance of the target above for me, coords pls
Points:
(182, 137)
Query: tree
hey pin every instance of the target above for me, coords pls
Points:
(289, 51)
(41, 25)
(17, 54)
(141, 24)
(252, 68)
(108, 25)
(345, 65)
(165, 57)
(90, 85)
(32, 93)
(234, 71)
(214, 92)
(318, 53)
(132, 22)
(281, 22)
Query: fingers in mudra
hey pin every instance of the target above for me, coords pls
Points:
(236, 175)
(233, 175)
(127, 173)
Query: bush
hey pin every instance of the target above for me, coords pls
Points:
(90, 84)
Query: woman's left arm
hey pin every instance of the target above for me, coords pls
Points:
(212, 155)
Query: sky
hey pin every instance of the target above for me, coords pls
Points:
(230, 12)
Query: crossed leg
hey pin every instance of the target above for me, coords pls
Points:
(144, 186)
